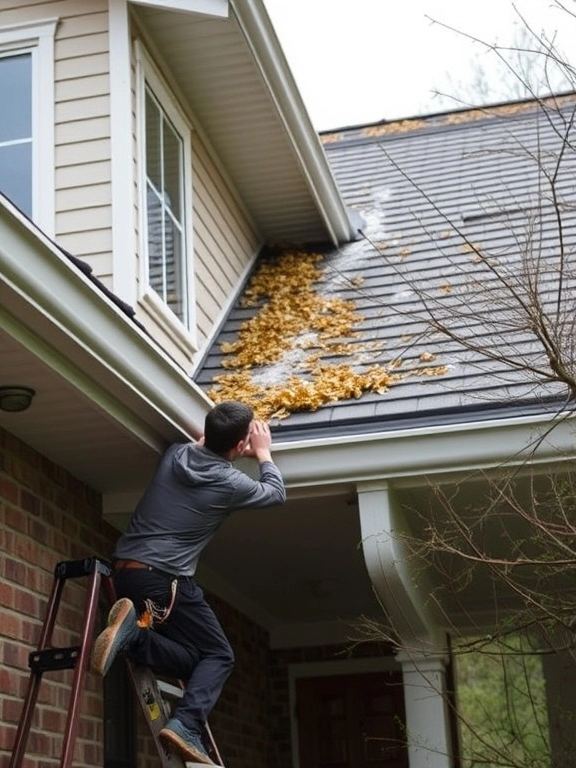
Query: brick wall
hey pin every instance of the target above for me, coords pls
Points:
(240, 721)
(46, 516)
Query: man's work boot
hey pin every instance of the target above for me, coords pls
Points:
(121, 632)
(186, 742)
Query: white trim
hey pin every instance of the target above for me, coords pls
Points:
(197, 129)
(166, 319)
(218, 8)
(400, 586)
(329, 669)
(121, 149)
(75, 312)
(410, 457)
(38, 39)
(185, 334)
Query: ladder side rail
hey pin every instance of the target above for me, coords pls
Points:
(213, 749)
(80, 669)
(36, 677)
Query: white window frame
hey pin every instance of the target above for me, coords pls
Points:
(37, 38)
(184, 334)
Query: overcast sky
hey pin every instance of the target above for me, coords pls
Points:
(361, 61)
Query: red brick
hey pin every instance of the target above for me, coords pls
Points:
(9, 490)
(29, 502)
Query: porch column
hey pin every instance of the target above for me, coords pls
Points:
(427, 716)
(560, 678)
(399, 580)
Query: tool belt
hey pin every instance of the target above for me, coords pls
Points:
(122, 565)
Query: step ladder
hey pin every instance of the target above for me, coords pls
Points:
(156, 697)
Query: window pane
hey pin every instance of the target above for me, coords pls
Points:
(153, 142)
(172, 169)
(175, 277)
(155, 240)
(16, 175)
(165, 208)
(16, 97)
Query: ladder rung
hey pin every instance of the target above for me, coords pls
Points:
(54, 658)
(74, 569)
(169, 690)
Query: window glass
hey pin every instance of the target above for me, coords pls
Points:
(164, 202)
(16, 130)
(172, 166)
(16, 175)
(153, 145)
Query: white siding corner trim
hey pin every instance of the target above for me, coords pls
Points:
(123, 229)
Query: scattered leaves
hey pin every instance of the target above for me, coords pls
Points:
(278, 363)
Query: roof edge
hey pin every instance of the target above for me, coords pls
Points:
(50, 282)
(415, 455)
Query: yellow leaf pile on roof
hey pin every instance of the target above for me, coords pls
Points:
(296, 326)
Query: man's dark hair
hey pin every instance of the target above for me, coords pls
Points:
(225, 425)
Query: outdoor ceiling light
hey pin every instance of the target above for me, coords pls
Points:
(14, 399)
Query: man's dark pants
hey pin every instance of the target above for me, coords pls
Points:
(189, 645)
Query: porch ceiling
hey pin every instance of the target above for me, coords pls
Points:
(67, 428)
(300, 569)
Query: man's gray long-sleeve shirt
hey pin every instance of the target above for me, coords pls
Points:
(191, 494)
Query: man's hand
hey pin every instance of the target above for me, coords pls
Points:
(259, 442)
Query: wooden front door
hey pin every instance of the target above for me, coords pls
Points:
(351, 721)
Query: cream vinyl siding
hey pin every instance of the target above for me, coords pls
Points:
(225, 243)
(82, 125)
(82, 133)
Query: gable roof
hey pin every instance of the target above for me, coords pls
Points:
(246, 107)
(448, 202)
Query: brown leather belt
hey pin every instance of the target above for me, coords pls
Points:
(122, 565)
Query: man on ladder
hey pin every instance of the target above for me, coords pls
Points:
(194, 489)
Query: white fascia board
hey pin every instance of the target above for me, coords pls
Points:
(407, 456)
(33, 268)
(268, 55)
(216, 8)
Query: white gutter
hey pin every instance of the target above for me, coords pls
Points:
(409, 456)
(261, 38)
(73, 308)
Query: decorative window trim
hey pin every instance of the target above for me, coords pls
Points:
(183, 335)
(37, 38)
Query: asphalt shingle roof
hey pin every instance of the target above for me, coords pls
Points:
(450, 204)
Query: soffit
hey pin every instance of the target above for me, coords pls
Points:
(232, 100)
(108, 399)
